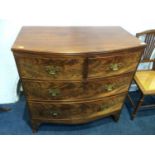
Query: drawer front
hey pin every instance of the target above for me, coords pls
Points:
(50, 110)
(113, 65)
(71, 91)
(50, 69)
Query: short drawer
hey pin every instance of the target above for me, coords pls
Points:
(113, 64)
(70, 91)
(50, 110)
(50, 68)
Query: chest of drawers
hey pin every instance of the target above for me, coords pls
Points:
(74, 75)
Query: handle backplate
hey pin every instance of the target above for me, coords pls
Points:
(54, 92)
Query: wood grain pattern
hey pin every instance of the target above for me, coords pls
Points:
(70, 68)
(146, 81)
(72, 91)
(111, 65)
(75, 75)
(74, 40)
(36, 122)
(46, 110)
(51, 68)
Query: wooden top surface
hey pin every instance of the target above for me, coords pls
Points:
(74, 39)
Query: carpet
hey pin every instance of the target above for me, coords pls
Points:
(16, 122)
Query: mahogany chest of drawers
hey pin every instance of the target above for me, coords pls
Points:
(75, 75)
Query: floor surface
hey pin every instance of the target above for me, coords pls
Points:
(16, 122)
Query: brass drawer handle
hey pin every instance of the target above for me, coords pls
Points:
(52, 70)
(54, 92)
(109, 87)
(54, 113)
(114, 66)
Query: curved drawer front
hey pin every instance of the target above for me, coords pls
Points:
(77, 90)
(108, 86)
(50, 110)
(113, 65)
(51, 68)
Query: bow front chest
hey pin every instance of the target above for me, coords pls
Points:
(74, 75)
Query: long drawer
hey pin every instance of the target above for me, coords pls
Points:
(71, 90)
(63, 110)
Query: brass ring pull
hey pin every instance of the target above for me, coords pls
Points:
(54, 92)
(52, 70)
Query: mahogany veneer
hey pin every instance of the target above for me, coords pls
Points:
(75, 74)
